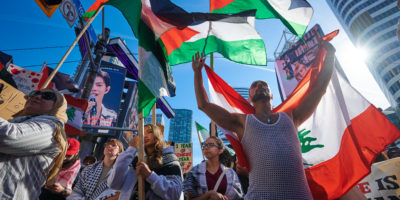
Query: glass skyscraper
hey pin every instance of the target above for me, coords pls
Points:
(159, 119)
(180, 127)
(372, 25)
(242, 91)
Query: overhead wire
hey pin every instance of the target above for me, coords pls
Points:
(71, 61)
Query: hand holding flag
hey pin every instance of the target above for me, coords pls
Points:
(198, 62)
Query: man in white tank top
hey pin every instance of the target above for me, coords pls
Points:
(270, 139)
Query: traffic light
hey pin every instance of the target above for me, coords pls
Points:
(48, 6)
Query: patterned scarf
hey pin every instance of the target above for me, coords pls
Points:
(93, 176)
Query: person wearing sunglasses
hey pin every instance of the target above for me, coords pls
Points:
(211, 179)
(161, 171)
(70, 169)
(33, 145)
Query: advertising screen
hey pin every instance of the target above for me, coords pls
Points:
(105, 97)
(294, 64)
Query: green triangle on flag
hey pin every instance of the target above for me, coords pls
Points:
(202, 132)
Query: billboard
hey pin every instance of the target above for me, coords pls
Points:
(184, 153)
(105, 97)
(294, 64)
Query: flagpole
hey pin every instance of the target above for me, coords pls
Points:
(43, 66)
(345, 114)
(153, 115)
(141, 192)
(53, 73)
(201, 147)
(198, 134)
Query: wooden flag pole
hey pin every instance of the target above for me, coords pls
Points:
(198, 134)
(153, 115)
(141, 192)
(44, 65)
(70, 49)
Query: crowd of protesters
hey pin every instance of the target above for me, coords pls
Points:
(38, 161)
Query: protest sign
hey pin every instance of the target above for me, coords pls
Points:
(383, 182)
(11, 100)
(184, 153)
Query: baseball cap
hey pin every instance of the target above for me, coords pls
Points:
(73, 146)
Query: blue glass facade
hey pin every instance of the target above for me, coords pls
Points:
(159, 119)
(180, 127)
(372, 25)
(242, 91)
(391, 115)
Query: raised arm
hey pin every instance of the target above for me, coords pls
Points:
(318, 83)
(121, 169)
(33, 136)
(219, 115)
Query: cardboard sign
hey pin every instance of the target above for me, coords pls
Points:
(11, 100)
(184, 153)
(383, 182)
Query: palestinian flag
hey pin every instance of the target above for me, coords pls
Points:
(295, 14)
(148, 20)
(75, 111)
(202, 132)
(233, 36)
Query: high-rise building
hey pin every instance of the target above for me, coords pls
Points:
(372, 25)
(391, 115)
(159, 119)
(242, 91)
(180, 127)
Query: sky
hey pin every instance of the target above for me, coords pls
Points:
(42, 39)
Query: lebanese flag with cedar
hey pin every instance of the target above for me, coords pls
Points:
(339, 141)
(75, 111)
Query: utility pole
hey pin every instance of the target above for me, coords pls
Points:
(94, 66)
(89, 143)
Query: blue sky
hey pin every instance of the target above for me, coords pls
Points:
(26, 26)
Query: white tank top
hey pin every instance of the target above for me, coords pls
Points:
(274, 153)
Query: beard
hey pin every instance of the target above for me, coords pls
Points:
(261, 96)
(68, 163)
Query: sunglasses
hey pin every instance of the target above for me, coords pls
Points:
(209, 145)
(45, 95)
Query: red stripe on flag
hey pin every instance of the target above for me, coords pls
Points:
(217, 4)
(232, 97)
(70, 130)
(334, 177)
(96, 5)
(174, 38)
(238, 148)
(45, 75)
(76, 102)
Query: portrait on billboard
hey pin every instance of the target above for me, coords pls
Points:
(105, 97)
(293, 65)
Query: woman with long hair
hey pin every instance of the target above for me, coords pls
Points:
(33, 145)
(211, 179)
(161, 170)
